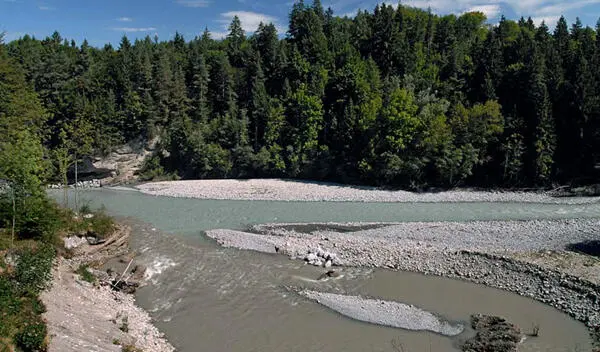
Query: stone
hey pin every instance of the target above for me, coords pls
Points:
(73, 242)
(328, 264)
(93, 240)
(493, 334)
(311, 257)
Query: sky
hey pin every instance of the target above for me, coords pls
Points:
(106, 21)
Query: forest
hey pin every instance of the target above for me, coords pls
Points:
(398, 96)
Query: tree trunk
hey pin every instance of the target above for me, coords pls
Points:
(14, 219)
(76, 208)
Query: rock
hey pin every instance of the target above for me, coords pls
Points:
(328, 264)
(493, 334)
(328, 274)
(74, 241)
(128, 287)
(93, 240)
(311, 257)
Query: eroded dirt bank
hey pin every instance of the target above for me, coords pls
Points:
(86, 316)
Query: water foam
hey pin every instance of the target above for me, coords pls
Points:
(157, 267)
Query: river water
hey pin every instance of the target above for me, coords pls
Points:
(207, 298)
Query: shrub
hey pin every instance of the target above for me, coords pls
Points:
(102, 225)
(36, 218)
(85, 274)
(33, 269)
(85, 209)
(32, 336)
(9, 304)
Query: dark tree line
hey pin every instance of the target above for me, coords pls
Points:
(399, 96)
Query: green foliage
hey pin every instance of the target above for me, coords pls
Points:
(20, 308)
(396, 96)
(36, 218)
(85, 274)
(101, 224)
(32, 336)
(33, 270)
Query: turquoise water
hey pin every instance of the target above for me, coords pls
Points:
(207, 298)
(190, 216)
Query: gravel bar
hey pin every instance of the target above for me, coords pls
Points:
(484, 252)
(387, 313)
(294, 190)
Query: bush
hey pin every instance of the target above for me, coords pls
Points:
(10, 305)
(33, 269)
(32, 337)
(37, 218)
(85, 274)
(102, 225)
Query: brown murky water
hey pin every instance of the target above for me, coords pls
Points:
(213, 299)
(206, 298)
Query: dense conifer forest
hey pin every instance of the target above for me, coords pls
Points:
(398, 96)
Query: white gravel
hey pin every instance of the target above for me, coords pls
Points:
(485, 252)
(82, 317)
(388, 313)
(292, 190)
(415, 237)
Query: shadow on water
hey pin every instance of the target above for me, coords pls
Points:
(587, 247)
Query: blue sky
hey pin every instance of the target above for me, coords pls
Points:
(107, 20)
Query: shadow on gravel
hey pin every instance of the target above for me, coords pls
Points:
(309, 228)
(588, 247)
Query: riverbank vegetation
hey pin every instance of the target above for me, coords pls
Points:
(396, 96)
(31, 225)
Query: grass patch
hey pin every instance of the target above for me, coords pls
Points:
(21, 324)
(100, 224)
(85, 274)
(39, 229)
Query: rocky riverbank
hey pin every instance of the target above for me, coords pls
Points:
(91, 311)
(294, 190)
(490, 253)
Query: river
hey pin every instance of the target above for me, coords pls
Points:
(207, 298)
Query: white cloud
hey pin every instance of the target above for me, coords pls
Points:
(45, 8)
(218, 35)
(490, 11)
(125, 19)
(550, 21)
(491, 8)
(560, 8)
(249, 20)
(193, 3)
(134, 29)
(350, 14)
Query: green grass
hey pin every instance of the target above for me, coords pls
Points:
(21, 323)
(85, 274)
(38, 237)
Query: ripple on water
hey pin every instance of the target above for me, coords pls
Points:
(257, 314)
